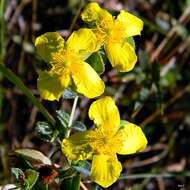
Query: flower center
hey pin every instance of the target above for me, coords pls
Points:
(62, 60)
(104, 143)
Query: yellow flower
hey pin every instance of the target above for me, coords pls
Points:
(108, 138)
(67, 64)
(114, 33)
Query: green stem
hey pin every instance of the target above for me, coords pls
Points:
(46, 187)
(72, 115)
(15, 80)
(2, 47)
(81, 5)
(2, 29)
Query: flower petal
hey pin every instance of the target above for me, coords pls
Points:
(91, 12)
(83, 41)
(121, 55)
(133, 24)
(51, 85)
(94, 13)
(132, 139)
(77, 146)
(49, 43)
(105, 114)
(105, 169)
(87, 80)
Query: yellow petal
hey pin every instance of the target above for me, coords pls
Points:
(91, 12)
(133, 25)
(122, 56)
(132, 139)
(47, 44)
(77, 146)
(87, 80)
(83, 41)
(105, 169)
(51, 85)
(105, 114)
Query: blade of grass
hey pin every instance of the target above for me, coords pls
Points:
(2, 46)
(15, 80)
(2, 29)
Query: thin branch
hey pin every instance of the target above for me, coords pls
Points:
(155, 114)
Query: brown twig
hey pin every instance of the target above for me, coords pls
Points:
(83, 186)
(185, 17)
(155, 114)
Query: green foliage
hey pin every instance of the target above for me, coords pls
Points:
(27, 179)
(31, 177)
(46, 132)
(33, 156)
(97, 62)
(131, 41)
(79, 126)
(62, 122)
(82, 166)
(18, 173)
(123, 122)
(68, 173)
(17, 81)
(71, 183)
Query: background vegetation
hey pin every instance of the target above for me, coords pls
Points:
(155, 95)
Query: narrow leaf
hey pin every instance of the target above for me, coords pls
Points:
(33, 156)
(15, 80)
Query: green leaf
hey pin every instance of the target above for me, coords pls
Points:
(33, 156)
(62, 123)
(79, 126)
(69, 94)
(46, 132)
(82, 166)
(63, 118)
(123, 122)
(131, 41)
(96, 62)
(15, 80)
(71, 183)
(69, 173)
(31, 178)
(18, 173)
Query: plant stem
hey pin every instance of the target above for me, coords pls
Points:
(72, 115)
(2, 47)
(2, 29)
(81, 5)
(15, 80)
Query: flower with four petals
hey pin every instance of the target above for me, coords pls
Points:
(109, 137)
(115, 34)
(66, 60)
